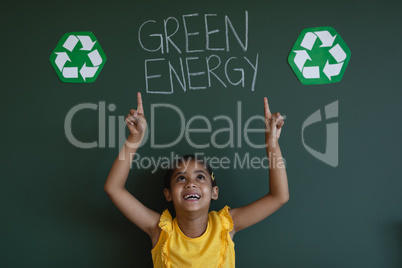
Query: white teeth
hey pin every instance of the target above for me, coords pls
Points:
(192, 196)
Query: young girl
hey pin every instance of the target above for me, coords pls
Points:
(196, 237)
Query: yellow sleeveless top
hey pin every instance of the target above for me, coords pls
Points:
(214, 248)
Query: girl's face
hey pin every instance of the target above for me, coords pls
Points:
(191, 187)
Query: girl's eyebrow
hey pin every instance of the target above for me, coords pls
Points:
(200, 171)
(183, 172)
(178, 173)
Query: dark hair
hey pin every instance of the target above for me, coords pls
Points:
(175, 164)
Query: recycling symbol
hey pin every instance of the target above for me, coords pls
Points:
(78, 58)
(319, 56)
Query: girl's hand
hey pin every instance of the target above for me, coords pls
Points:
(136, 122)
(273, 125)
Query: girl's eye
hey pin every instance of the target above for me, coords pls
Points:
(181, 178)
(201, 177)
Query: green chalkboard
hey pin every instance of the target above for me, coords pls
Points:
(201, 65)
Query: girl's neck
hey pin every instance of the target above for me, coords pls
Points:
(192, 224)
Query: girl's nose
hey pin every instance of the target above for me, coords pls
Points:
(191, 185)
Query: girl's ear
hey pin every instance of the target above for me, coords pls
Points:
(168, 194)
(215, 192)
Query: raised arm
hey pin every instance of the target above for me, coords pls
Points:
(278, 195)
(145, 218)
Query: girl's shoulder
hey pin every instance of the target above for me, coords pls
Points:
(165, 221)
(225, 218)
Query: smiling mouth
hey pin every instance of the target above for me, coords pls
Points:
(192, 197)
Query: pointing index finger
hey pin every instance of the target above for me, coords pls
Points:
(266, 108)
(140, 109)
